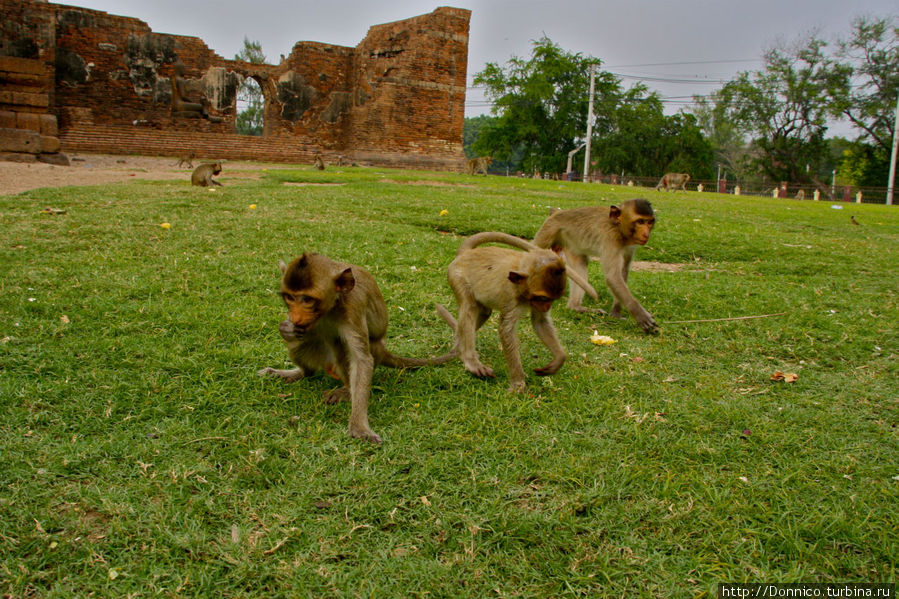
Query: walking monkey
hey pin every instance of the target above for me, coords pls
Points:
(490, 278)
(612, 234)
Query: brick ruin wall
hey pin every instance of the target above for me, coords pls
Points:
(75, 79)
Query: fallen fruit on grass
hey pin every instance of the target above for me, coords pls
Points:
(165, 225)
(601, 339)
(787, 378)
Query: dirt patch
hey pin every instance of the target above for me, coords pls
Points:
(426, 182)
(96, 169)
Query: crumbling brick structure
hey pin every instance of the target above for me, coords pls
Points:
(75, 79)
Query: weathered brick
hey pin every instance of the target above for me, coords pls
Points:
(20, 140)
(28, 120)
(398, 97)
(49, 144)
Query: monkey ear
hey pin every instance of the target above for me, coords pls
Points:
(517, 277)
(345, 281)
(282, 266)
(614, 213)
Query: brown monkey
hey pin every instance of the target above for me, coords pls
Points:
(317, 162)
(612, 234)
(186, 159)
(202, 175)
(673, 180)
(479, 164)
(336, 322)
(484, 279)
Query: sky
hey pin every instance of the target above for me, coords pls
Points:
(699, 44)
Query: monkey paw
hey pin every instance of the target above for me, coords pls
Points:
(551, 368)
(336, 395)
(518, 387)
(648, 323)
(482, 371)
(366, 434)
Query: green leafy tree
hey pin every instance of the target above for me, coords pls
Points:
(727, 138)
(785, 107)
(867, 98)
(471, 132)
(251, 103)
(541, 106)
(644, 141)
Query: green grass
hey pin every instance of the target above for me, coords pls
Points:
(142, 456)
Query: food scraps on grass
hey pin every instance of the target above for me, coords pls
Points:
(598, 339)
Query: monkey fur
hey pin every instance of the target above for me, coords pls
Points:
(336, 322)
(202, 175)
(490, 278)
(612, 234)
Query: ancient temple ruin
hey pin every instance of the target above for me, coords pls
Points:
(80, 80)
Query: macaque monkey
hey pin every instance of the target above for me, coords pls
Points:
(317, 162)
(800, 195)
(673, 180)
(202, 175)
(476, 165)
(612, 234)
(484, 279)
(186, 159)
(336, 322)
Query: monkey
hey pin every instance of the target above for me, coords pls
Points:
(800, 195)
(317, 162)
(479, 164)
(485, 279)
(612, 234)
(336, 322)
(186, 159)
(853, 221)
(202, 175)
(673, 180)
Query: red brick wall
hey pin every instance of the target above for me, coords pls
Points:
(397, 98)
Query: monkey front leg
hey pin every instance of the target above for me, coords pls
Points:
(361, 366)
(509, 341)
(288, 333)
(617, 282)
(547, 333)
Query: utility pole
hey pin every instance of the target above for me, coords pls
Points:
(589, 125)
(893, 155)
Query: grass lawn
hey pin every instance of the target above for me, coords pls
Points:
(142, 456)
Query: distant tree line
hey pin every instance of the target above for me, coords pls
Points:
(768, 124)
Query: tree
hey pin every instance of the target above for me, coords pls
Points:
(541, 106)
(727, 138)
(867, 98)
(250, 101)
(785, 107)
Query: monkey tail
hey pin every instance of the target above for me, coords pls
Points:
(495, 237)
(446, 315)
(393, 361)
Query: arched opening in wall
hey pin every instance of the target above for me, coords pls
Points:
(250, 108)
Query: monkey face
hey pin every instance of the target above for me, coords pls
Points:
(635, 220)
(641, 229)
(303, 310)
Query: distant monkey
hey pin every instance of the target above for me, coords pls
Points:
(186, 160)
(852, 220)
(612, 234)
(484, 279)
(476, 165)
(317, 162)
(202, 175)
(673, 181)
(336, 322)
(800, 195)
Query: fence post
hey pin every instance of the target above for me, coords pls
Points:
(858, 197)
(817, 195)
(782, 191)
(737, 190)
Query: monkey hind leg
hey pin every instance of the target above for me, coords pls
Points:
(288, 376)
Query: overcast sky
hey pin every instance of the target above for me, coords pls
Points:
(698, 43)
